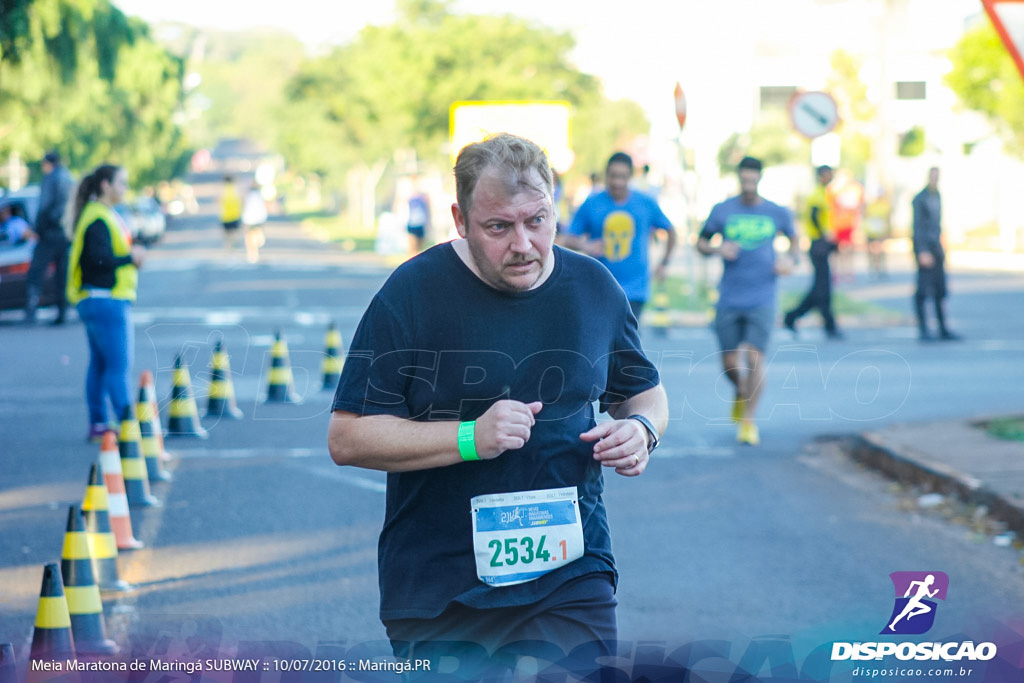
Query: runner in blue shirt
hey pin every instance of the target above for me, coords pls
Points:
(747, 225)
(616, 225)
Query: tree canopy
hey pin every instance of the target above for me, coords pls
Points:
(391, 88)
(81, 77)
(986, 80)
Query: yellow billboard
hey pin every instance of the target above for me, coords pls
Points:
(547, 123)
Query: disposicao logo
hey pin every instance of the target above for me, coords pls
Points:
(914, 614)
(916, 592)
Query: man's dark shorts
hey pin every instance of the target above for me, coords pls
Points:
(232, 225)
(416, 230)
(579, 615)
(736, 326)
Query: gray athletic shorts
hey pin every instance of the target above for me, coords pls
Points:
(735, 326)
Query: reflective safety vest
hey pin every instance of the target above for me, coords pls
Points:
(819, 200)
(230, 205)
(126, 277)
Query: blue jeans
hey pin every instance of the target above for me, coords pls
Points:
(111, 335)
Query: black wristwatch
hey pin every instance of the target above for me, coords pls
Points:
(652, 443)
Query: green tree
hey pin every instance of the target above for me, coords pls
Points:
(772, 140)
(986, 80)
(392, 87)
(90, 82)
(14, 29)
(243, 78)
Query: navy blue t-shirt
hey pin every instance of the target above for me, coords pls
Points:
(437, 343)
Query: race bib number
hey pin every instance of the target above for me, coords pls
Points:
(518, 537)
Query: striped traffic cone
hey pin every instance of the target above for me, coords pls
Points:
(8, 667)
(100, 543)
(133, 466)
(148, 386)
(222, 392)
(83, 595)
(98, 533)
(281, 383)
(184, 418)
(333, 363)
(151, 448)
(51, 637)
(117, 498)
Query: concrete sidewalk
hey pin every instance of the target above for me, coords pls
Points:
(956, 458)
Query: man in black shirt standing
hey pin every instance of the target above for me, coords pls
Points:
(931, 258)
(53, 240)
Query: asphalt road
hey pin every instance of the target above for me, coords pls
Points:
(262, 539)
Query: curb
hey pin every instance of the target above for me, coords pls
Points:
(913, 468)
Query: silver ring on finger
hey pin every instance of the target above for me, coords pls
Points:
(636, 458)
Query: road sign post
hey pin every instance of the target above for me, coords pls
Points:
(689, 194)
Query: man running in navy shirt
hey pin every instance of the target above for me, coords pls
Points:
(471, 381)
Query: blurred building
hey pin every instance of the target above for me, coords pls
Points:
(772, 50)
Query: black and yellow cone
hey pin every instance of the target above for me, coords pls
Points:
(51, 637)
(184, 415)
(152, 448)
(333, 362)
(98, 534)
(221, 402)
(8, 666)
(280, 382)
(148, 386)
(83, 595)
(133, 465)
(101, 543)
(660, 318)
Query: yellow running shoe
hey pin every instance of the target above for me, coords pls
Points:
(739, 407)
(748, 434)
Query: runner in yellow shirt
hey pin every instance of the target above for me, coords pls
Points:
(230, 212)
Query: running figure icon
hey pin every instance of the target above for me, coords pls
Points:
(915, 606)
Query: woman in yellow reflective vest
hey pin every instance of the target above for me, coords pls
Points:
(102, 277)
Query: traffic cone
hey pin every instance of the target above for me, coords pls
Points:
(222, 392)
(117, 498)
(83, 595)
(51, 637)
(96, 516)
(333, 363)
(660, 320)
(151, 448)
(184, 419)
(712, 304)
(133, 466)
(281, 383)
(147, 385)
(100, 543)
(8, 667)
